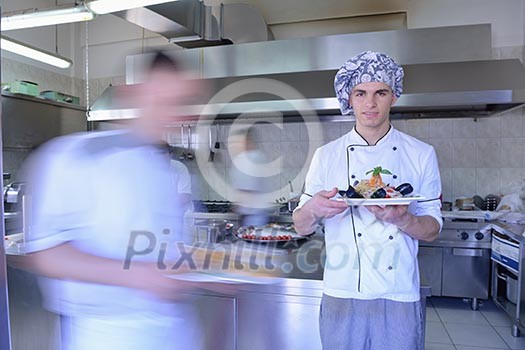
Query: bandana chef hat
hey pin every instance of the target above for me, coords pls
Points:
(366, 67)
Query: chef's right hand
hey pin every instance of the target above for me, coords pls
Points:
(321, 206)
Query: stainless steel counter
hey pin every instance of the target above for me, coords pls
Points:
(282, 315)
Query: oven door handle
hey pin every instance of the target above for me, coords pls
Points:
(467, 252)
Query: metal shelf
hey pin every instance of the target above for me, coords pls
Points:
(43, 100)
(501, 301)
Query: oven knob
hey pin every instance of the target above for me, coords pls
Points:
(464, 235)
(479, 236)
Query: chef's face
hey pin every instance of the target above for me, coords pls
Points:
(371, 103)
(164, 93)
(161, 98)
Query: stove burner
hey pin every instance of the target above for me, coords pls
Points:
(462, 233)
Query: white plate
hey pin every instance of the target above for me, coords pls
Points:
(223, 278)
(381, 201)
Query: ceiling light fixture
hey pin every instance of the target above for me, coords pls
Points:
(36, 18)
(22, 49)
(101, 7)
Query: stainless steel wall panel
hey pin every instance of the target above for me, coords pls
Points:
(28, 122)
(5, 335)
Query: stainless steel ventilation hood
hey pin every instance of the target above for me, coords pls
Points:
(191, 23)
(448, 72)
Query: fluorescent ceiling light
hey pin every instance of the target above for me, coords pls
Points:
(65, 14)
(34, 53)
(101, 7)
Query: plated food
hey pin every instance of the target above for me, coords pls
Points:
(272, 232)
(375, 188)
(374, 191)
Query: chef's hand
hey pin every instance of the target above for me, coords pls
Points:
(393, 214)
(424, 228)
(320, 206)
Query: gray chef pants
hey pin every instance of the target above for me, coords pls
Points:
(380, 324)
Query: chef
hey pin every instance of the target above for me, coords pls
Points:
(105, 212)
(371, 277)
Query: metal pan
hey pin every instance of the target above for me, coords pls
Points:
(269, 233)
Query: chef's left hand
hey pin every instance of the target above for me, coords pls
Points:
(393, 214)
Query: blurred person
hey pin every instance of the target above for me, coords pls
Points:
(184, 197)
(250, 188)
(105, 219)
(371, 278)
(183, 183)
(182, 177)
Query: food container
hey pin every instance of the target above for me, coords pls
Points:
(465, 203)
(446, 206)
(59, 97)
(491, 202)
(22, 87)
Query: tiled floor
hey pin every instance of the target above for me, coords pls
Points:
(453, 325)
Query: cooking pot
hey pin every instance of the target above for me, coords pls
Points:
(292, 204)
(212, 230)
(512, 289)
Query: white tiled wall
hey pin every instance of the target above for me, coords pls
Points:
(476, 156)
(46, 80)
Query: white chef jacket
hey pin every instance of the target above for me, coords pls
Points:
(183, 185)
(183, 177)
(250, 187)
(368, 258)
(92, 190)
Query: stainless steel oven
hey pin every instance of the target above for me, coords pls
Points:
(457, 264)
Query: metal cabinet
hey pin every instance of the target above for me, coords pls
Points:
(430, 267)
(216, 318)
(273, 321)
(461, 262)
(456, 271)
(32, 327)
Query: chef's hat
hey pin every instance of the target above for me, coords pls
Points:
(367, 67)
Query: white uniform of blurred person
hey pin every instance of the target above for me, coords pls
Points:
(184, 195)
(91, 193)
(248, 178)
